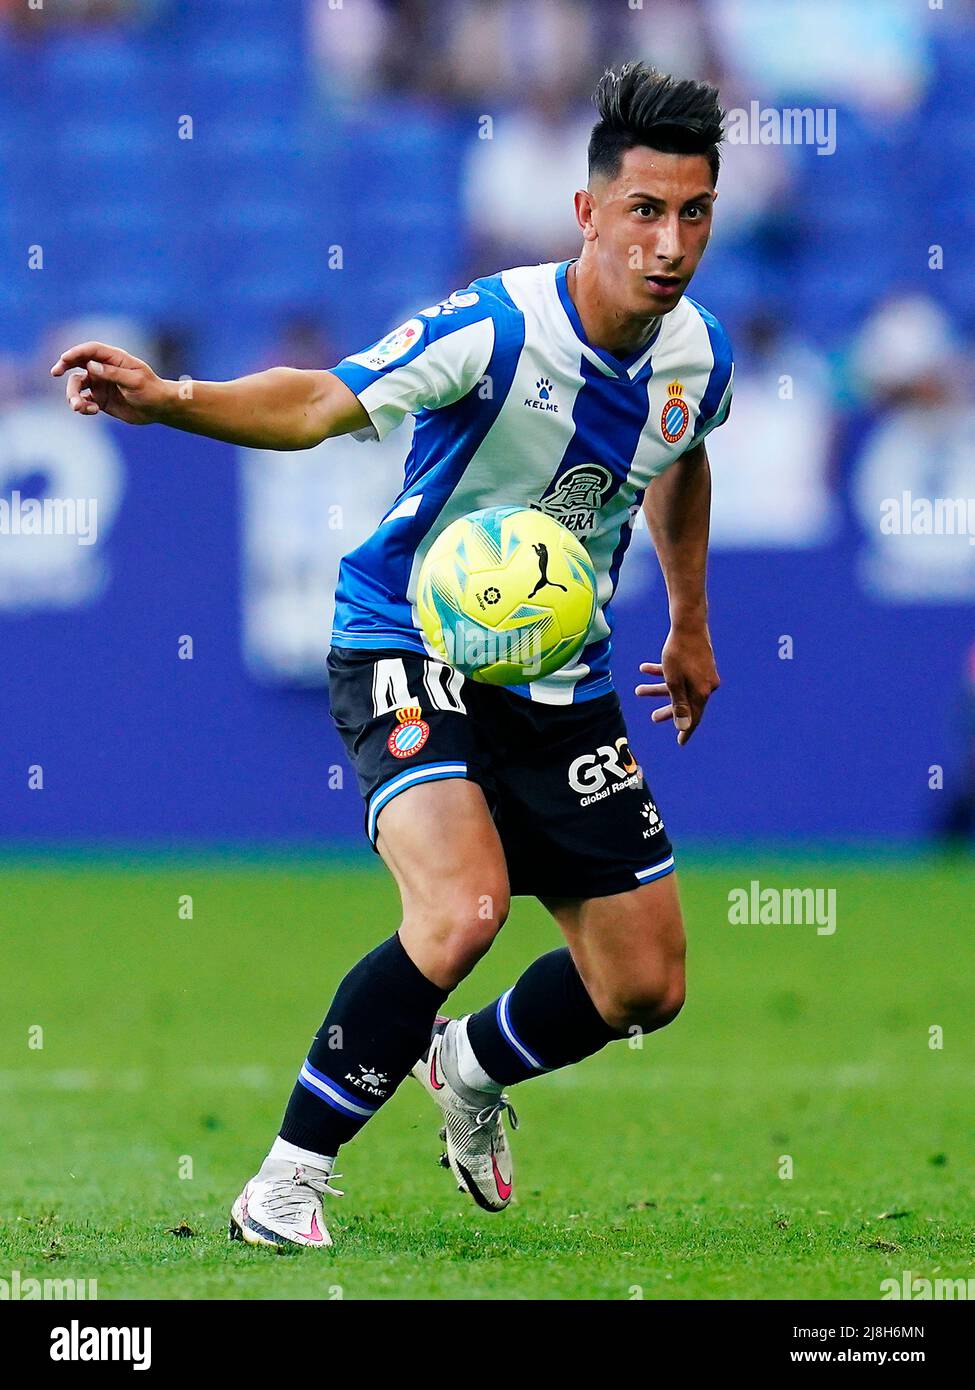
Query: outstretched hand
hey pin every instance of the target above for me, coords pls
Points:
(690, 677)
(108, 379)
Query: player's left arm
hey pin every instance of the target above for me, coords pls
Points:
(677, 506)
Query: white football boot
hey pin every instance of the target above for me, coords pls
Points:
(477, 1154)
(283, 1206)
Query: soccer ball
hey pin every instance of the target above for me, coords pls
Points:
(506, 595)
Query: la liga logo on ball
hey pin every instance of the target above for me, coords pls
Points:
(675, 416)
(410, 734)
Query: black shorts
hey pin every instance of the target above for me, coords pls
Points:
(574, 813)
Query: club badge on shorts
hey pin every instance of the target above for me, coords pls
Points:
(410, 734)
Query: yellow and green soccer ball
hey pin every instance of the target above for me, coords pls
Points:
(506, 595)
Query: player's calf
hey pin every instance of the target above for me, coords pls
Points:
(629, 949)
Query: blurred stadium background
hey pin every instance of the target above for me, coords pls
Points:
(221, 187)
(334, 182)
(239, 184)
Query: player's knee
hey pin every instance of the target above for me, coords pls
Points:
(670, 1002)
(645, 1002)
(461, 925)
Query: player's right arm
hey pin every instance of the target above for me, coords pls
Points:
(282, 408)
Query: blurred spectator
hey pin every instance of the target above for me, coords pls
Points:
(904, 351)
(873, 54)
(347, 45)
(674, 35)
(496, 50)
(772, 486)
(301, 512)
(916, 455)
(519, 183)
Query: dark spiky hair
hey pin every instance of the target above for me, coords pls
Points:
(640, 106)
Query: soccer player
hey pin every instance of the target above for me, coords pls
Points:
(586, 389)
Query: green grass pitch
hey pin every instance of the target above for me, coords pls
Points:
(170, 1046)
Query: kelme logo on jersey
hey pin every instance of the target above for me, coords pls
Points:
(542, 399)
(389, 349)
(576, 496)
(675, 415)
(410, 734)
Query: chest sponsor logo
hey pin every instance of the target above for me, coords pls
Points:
(599, 775)
(675, 416)
(576, 497)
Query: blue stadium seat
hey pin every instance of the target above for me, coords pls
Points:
(284, 21)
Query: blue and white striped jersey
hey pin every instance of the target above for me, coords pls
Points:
(514, 407)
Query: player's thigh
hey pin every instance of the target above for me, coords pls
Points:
(441, 845)
(438, 837)
(576, 815)
(629, 949)
(420, 759)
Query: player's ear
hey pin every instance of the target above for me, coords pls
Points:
(585, 207)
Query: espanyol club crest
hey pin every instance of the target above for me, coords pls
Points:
(675, 415)
(410, 734)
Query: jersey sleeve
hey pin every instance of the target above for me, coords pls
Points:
(716, 401)
(430, 361)
(720, 415)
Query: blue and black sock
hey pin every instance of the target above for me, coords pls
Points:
(378, 1025)
(546, 1021)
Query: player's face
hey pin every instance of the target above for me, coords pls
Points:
(648, 227)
